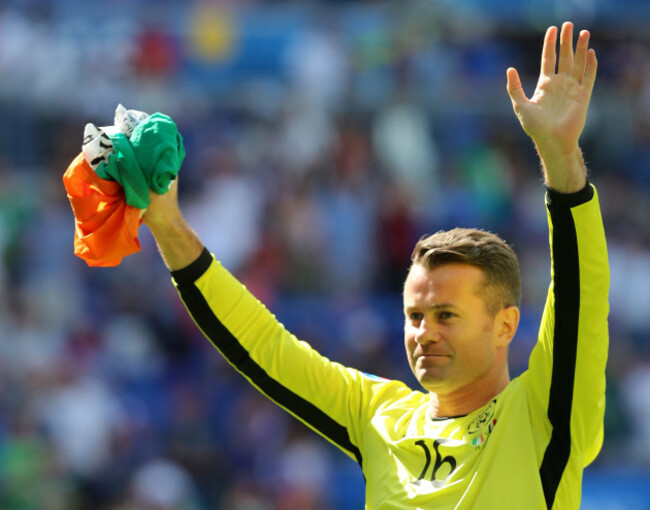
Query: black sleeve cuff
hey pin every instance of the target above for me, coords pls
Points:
(191, 273)
(569, 200)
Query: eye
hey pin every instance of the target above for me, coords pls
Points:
(446, 315)
(415, 316)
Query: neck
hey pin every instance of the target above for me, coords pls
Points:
(468, 398)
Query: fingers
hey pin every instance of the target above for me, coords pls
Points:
(548, 51)
(565, 63)
(581, 66)
(515, 91)
(580, 58)
(590, 72)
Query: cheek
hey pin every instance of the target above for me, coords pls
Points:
(481, 353)
(409, 335)
(409, 342)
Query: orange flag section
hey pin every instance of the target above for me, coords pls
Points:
(106, 227)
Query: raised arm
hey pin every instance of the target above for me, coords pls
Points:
(565, 380)
(555, 115)
(178, 243)
(286, 370)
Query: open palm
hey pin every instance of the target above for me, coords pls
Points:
(555, 115)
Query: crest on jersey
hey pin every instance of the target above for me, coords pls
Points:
(485, 418)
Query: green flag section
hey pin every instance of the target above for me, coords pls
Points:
(150, 160)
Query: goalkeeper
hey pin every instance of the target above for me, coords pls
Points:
(474, 439)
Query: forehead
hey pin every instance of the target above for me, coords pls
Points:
(447, 283)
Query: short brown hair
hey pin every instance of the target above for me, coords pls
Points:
(479, 248)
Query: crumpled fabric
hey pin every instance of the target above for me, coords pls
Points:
(149, 160)
(106, 227)
(108, 183)
(97, 146)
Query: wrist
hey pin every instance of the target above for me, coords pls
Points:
(162, 220)
(178, 243)
(564, 170)
(169, 229)
(549, 149)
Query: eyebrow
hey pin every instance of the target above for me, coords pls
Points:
(434, 307)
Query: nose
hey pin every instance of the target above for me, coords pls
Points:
(427, 333)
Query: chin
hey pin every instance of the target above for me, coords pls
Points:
(434, 384)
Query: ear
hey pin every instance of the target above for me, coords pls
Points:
(506, 322)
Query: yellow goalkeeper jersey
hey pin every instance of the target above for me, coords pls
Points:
(525, 449)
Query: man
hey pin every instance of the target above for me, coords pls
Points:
(476, 439)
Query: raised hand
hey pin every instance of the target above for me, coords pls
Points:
(162, 209)
(555, 115)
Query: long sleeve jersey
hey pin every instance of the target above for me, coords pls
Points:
(525, 449)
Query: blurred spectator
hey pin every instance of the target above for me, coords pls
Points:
(81, 415)
(161, 485)
(228, 209)
(304, 473)
(404, 143)
(636, 388)
(317, 64)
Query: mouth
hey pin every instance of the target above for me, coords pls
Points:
(433, 355)
(432, 358)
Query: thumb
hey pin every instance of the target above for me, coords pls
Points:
(515, 91)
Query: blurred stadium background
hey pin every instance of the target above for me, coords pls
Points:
(323, 138)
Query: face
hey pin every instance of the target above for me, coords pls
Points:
(451, 340)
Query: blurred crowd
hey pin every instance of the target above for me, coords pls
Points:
(322, 141)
